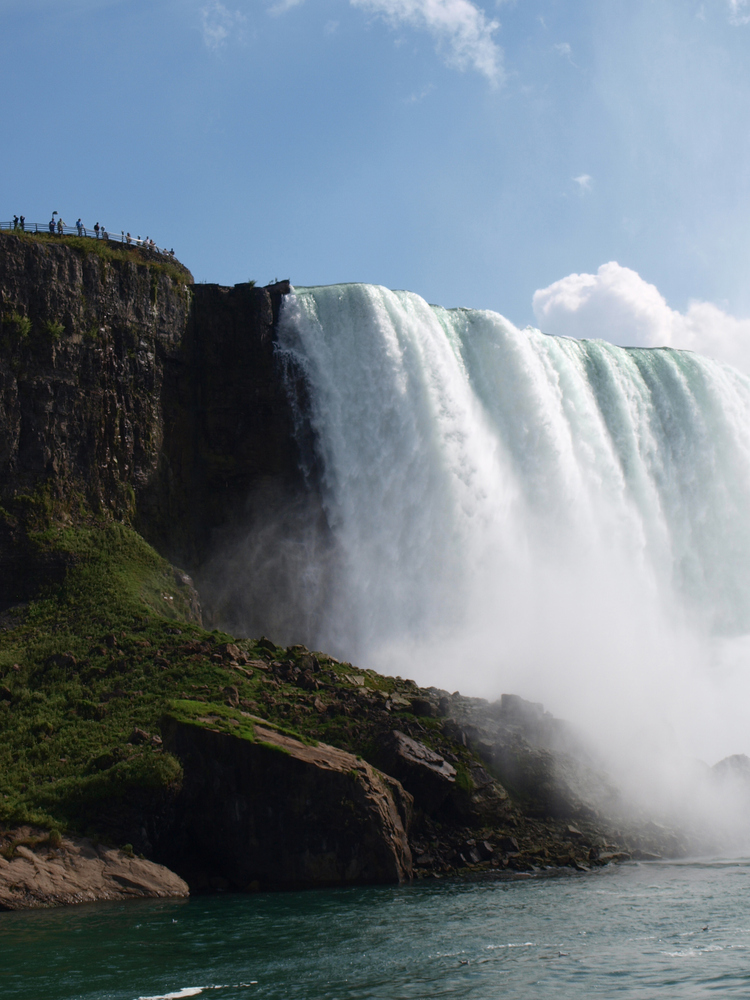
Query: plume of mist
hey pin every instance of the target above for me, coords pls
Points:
(501, 511)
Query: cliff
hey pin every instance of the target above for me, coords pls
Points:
(146, 421)
(128, 392)
(287, 814)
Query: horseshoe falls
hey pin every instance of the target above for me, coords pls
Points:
(510, 511)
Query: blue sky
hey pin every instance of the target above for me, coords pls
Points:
(473, 154)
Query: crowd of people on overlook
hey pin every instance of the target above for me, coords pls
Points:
(56, 226)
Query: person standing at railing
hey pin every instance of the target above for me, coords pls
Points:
(129, 238)
(79, 227)
(105, 234)
(60, 226)
(15, 222)
(96, 230)
(52, 226)
(23, 223)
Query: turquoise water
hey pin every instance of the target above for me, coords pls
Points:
(682, 930)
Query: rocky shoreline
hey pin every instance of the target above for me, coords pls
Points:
(42, 869)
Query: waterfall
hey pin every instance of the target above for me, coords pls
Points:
(514, 511)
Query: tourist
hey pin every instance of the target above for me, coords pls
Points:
(60, 226)
(15, 222)
(96, 230)
(129, 238)
(23, 223)
(105, 235)
(79, 227)
(52, 225)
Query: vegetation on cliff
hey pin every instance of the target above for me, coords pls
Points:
(162, 435)
(107, 250)
(92, 666)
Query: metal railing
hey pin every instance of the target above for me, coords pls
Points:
(54, 229)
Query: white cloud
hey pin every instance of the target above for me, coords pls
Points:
(739, 11)
(219, 24)
(283, 6)
(563, 49)
(584, 182)
(419, 95)
(458, 25)
(617, 305)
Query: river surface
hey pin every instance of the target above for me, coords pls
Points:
(680, 930)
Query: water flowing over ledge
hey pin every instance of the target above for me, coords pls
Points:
(510, 506)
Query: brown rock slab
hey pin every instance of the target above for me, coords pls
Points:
(281, 813)
(78, 871)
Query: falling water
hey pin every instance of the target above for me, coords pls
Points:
(512, 511)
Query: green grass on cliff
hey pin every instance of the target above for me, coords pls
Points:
(107, 251)
(90, 668)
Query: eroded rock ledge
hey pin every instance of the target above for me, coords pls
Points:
(37, 870)
(264, 810)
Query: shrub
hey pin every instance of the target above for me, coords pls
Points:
(53, 329)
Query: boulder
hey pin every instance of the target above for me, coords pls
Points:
(38, 870)
(422, 772)
(275, 812)
(424, 707)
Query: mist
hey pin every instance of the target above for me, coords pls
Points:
(504, 511)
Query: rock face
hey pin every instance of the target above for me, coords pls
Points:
(83, 347)
(128, 389)
(236, 487)
(424, 773)
(536, 757)
(276, 813)
(33, 873)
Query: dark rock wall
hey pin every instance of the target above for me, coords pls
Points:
(279, 814)
(82, 354)
(131, 393)
(231, 500)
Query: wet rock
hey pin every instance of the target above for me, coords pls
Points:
(455, 732)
